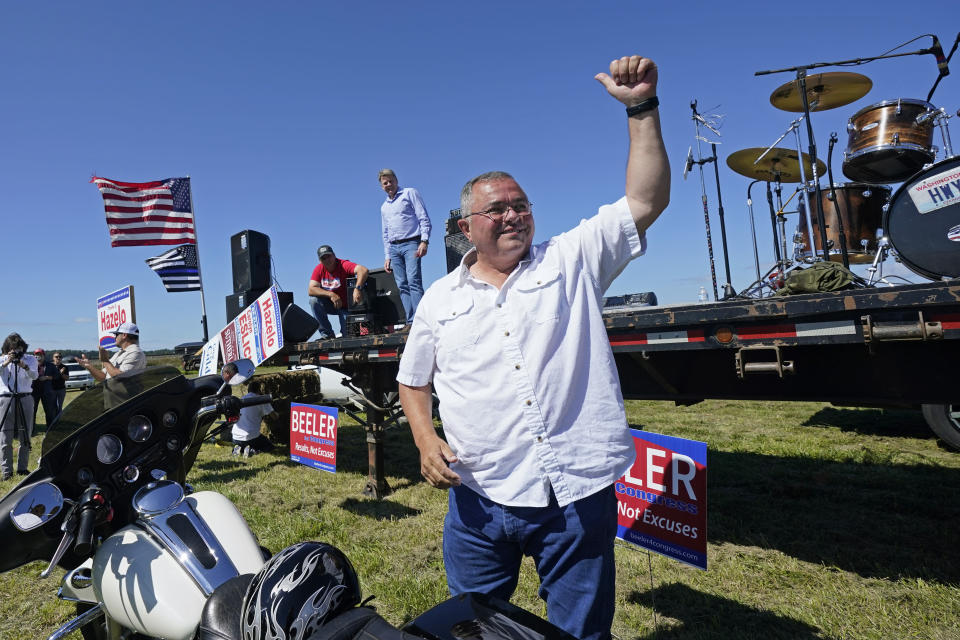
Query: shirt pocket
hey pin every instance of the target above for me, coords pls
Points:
(457, 326)
(542, 295)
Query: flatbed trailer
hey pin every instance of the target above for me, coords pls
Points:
(892, 346)
(883, 347)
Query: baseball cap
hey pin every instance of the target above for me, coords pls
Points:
(324, 250)
(38, 350)
(127, 327)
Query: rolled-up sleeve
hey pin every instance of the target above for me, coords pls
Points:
(419, 358)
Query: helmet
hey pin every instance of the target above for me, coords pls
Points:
(297, 591)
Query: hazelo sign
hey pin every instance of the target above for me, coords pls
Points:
(113, 310)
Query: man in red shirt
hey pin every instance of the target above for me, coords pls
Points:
(328, 289)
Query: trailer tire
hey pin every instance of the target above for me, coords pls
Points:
(944, 420)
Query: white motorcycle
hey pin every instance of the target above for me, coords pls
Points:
(146, 557)
(107, 503)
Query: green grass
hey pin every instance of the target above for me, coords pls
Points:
(823, 522)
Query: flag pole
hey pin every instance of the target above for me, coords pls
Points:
(203, 304)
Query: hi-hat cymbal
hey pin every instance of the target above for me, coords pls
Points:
(824, 91)
(778, 162)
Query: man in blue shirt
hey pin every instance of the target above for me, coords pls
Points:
(406, 232)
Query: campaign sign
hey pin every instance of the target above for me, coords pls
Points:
(313, 436)
(662, 498)
(113, 310)
(228, 342)
(255, 333)
(210, 357)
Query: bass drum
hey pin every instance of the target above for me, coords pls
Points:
(923, 221)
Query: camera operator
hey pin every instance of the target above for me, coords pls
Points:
(18, 370)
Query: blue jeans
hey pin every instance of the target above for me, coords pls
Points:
(572, 547)
(322, 307)
(406, 271)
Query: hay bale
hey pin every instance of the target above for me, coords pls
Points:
(287, 387)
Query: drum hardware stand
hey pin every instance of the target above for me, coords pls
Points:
(782, 221)
(698, 119)
(781, 257)
(836, 205)
(753, 230)
(794, 126)
(940, 118)
(883, 245)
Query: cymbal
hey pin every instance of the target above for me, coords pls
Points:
(824, 91)
(778, 161)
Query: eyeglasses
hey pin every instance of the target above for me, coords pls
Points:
(56, 356)
(496, 213)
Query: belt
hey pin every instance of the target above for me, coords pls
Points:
(14, 395)
(405, 240)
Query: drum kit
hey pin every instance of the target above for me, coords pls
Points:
(864, 220)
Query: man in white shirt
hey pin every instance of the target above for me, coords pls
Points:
(130, 360)
(245, 434)
(18, 370)
(514, 344)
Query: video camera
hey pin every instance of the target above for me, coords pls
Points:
(15, 355)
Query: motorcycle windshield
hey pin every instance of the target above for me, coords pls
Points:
(104, 397)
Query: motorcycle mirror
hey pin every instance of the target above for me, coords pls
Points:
(40, 504)
(237, 372)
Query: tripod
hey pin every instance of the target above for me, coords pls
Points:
(12, 403)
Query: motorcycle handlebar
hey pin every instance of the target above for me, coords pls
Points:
(258, 399)
(84, 541)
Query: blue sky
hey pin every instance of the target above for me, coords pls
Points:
(283, 112)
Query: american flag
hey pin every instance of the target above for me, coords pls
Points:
(178, 268)
(147, 213)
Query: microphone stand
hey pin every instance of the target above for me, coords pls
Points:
(703, 191)
(944, 70)
(728, 291)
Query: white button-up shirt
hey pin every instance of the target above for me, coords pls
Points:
(14, 377)
(529, 391)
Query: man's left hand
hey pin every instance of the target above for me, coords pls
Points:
(357, 296)
(421, 250)
(632, 79)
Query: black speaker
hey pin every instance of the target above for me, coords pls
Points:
(298, 325)
(251, 261)
(455, 242)
(368, 291)
(237, 302)
(385, 302)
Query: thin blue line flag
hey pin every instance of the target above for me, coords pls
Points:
(178, 268)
